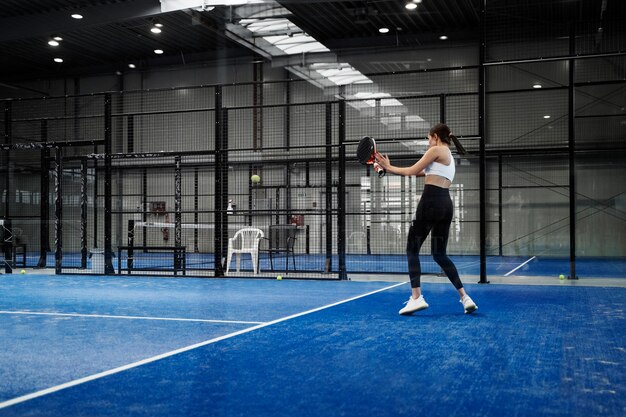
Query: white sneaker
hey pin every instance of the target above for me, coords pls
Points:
(468, 304)
(414, 305)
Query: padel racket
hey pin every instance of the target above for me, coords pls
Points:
(366, 152)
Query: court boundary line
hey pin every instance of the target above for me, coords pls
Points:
(106, 316)
(99, 375)
(519, 266)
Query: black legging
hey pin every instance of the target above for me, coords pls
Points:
(434, 213)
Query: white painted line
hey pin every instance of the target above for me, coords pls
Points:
(105, 316)
(93, 377)
(515, 269)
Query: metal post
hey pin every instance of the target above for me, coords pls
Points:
(195, 209)
(83, 213)
(287, 115)
(144, 198)
(131, 243)
(6, 244)
(500, 212)
(442, 108)
(329, 189)
(108, 253)
(482, 91)
(130, 134)
(177, 215)
(44, 205)
(58, 211)
(341, 194)
(7, 159)
(219, 269)
(572, 155)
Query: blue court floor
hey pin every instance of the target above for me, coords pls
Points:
(132, 346)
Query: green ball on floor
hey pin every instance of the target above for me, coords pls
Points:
(561, 277)
(279, 277)
(23, 271)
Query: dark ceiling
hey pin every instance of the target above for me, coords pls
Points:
(114, 33)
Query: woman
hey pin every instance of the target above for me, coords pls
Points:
(433, 215)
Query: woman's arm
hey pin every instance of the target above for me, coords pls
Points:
(417, 169)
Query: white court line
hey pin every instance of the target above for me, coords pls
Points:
(93, 377)
(105, 316)
(515, 269)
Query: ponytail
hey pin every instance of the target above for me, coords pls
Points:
(459, 148)
(443, 131)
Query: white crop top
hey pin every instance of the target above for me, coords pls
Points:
(446, 171)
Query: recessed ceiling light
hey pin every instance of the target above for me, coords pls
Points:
(132, 66)
(158, 51)
(411, 6)
(546, 116)
(443, 37)
(77, 16)
(537, 85)
(383, 30)
(57, 38)
(59, 60)
(417, 1)
(52, 42)
(159, 25)
(155, 29)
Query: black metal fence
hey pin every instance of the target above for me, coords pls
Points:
(158, 181)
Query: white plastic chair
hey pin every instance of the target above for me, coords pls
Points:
(356, 242)
(246, 240)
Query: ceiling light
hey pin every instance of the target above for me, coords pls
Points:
(158, 51)
(417, 1)
(537, 85)
(159, 25)
(155, 29)
(77, 16)
(57, 38)
(59, 60)
(443, 37)
(383, 30)
(411, 6)
(546, 116)
(52, 42)
(132, 66)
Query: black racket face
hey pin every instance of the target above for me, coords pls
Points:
(365, 150)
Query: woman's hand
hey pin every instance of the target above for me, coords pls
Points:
(383, 160)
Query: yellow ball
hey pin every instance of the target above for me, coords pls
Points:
(561, 276)
(255, 179)
(23, 271)
(279, 277)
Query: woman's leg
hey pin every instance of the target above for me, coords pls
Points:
(439, 245)
(439, 241)
(417, 235)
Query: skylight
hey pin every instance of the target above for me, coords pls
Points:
(283, 34)
(269, 26)
(296, 44)
(265, 29)
(370, 99)
(341, 74)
